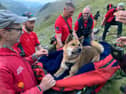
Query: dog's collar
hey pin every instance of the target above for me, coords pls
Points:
(72, 58)
(69, 64)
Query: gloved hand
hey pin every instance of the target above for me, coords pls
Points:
(117, 52)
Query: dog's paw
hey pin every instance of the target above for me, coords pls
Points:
(56, 75)
(66, 77)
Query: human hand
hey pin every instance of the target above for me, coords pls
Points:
(121, 41)
(47, 82)
(59, 46)
(102, 25)
(121, 16)
(41, 52)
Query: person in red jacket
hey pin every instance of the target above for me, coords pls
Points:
(29, 40)
(83, 28)
(16, 75)
(110, 6)
(109, 20)
(94, 18)
(61, 27)
(91, 16)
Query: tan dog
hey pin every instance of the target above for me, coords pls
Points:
(77, 55)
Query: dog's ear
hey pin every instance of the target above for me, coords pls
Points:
(69, 38)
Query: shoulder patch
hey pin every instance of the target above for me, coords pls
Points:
(57, 28)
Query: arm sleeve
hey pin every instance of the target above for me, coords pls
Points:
(30, 59)
(108, 13)
(7, 84)
(34, 90)
(93, 21)
(58, 27)
(36, 38)
(92, 25)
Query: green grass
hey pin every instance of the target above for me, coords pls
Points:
(46, 29)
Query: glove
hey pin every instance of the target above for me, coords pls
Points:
(117, 53)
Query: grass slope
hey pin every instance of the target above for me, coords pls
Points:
(46, 29)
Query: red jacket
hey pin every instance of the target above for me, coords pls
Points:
(16, 75)
(110, 15)
(62, 28)
(91, 16)
(29, 41)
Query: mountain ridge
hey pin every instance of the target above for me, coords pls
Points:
(21, 7)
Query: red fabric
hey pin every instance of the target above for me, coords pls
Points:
(18, 50)
(110, 15)
(76, 26)
(59, 49)
(99, 88)
(29, 41)
(13, 70)
(98, 76)
(104, 62)
(15, 47)
(80, 14)
(39, 72)
(62, 28)
(110, 6)
(91, 78)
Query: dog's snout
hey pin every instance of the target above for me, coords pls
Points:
(79, 50)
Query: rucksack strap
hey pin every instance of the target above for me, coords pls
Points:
(70, 30)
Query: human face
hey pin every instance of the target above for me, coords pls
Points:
(13, 33)
(120, 7)
(69, 11)
(29, 25)
(86, 14)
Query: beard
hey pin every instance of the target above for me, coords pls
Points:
(29, 29)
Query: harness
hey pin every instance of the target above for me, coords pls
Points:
(69, 64)
(82, 30)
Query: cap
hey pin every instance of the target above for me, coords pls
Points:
(7, 18)
(30, 16)
(121, 4)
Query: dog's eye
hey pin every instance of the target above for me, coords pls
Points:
(79, 45)
(73, 44)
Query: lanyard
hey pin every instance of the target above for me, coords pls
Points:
(68, 25)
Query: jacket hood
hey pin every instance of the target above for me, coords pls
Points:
(7, 52)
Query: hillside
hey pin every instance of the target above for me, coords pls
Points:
(45, 29)
(51, 10)
(33, 7)
(47, 17)
(14, 6)
(19, 7)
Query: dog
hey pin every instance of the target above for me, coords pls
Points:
(74, 53)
